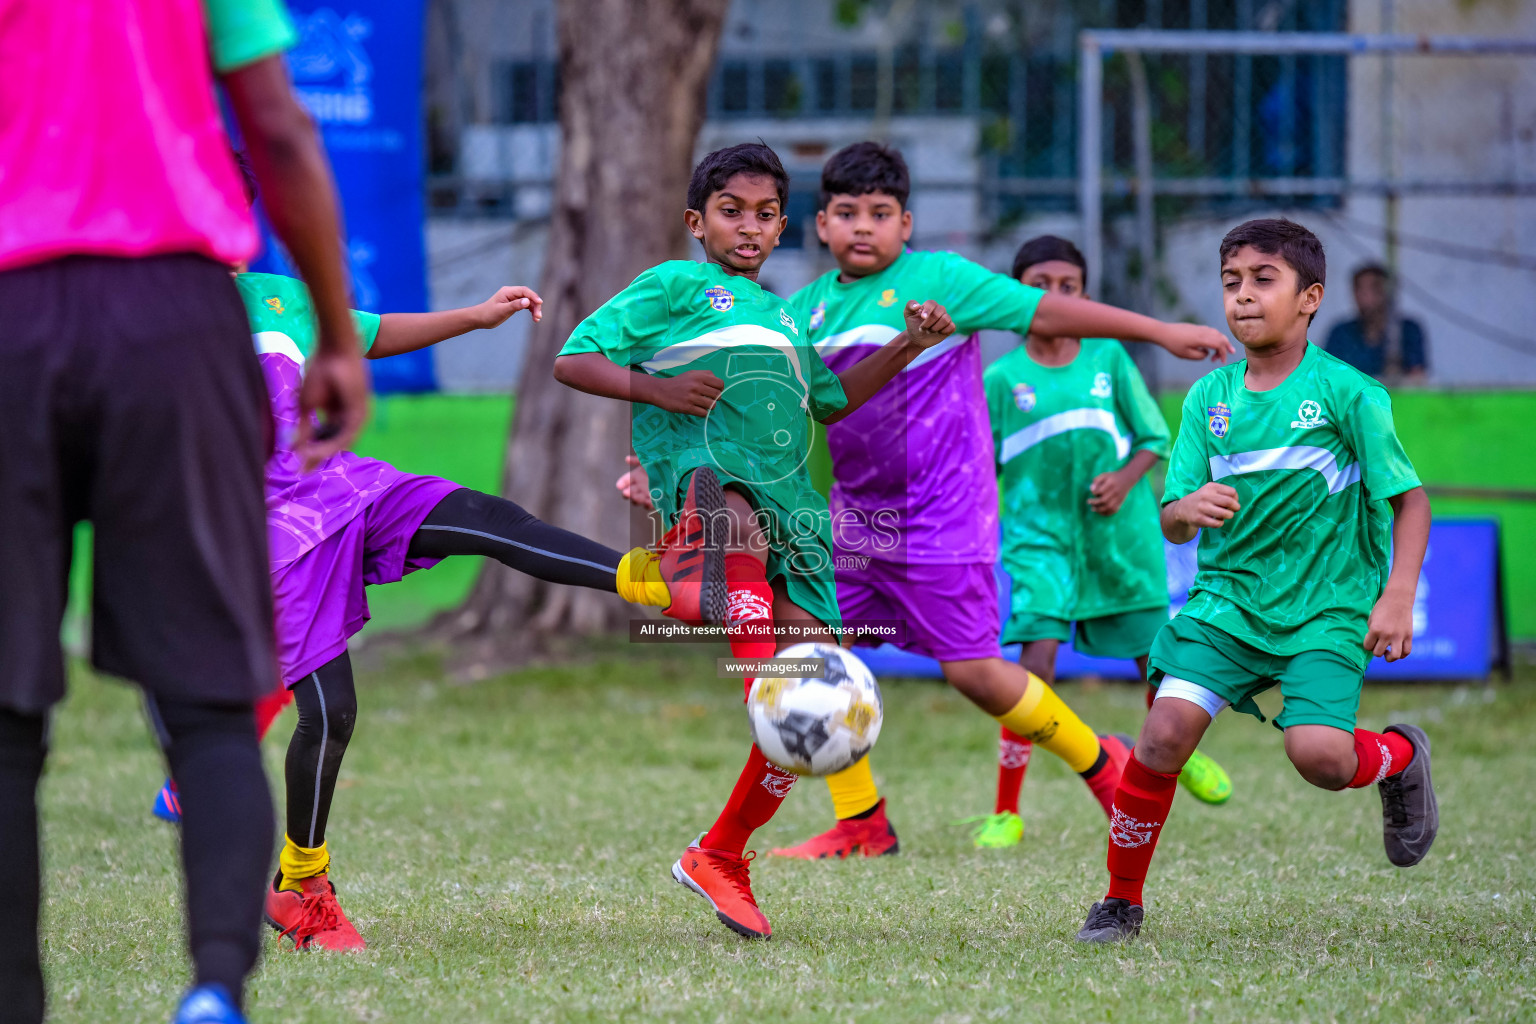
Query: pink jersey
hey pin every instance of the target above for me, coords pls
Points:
(110, 137)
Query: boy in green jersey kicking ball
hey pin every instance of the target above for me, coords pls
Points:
(1074, 431)
(727, 379)
(1312, 530)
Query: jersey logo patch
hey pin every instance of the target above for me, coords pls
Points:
(818, 316)
(1219, 417)
(888, 298)
(275, 304)
(721, 299)
(788, 321)
(1101, 386)
(1024, 397)
(1309, 415)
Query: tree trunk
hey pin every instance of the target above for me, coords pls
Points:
(633, 80)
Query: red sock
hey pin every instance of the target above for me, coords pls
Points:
(759, 790)
(749, 615)
(268, 708)
(1013, 753)
(1140, 808)
(1381, 754)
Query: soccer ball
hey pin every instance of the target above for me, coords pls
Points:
(816, 726)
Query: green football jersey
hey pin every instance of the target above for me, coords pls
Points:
(683, 316)
(1304, 560)
(1054, 429)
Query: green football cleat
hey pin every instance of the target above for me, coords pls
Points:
(1206, 780)
(995, 831)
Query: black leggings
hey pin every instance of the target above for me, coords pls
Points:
(226, 843)
(465, 522)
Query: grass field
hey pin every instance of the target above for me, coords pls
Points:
(505, 849)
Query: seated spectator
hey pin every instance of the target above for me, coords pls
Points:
(1370, 343)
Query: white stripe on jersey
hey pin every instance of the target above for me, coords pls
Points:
(1021, 441)
(735, 336)
(277, 343)
(1296, 457)
(879, 334)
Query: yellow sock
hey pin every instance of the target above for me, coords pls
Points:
(298, 862)
(853, 789)
(639, 579)
(1041, 716)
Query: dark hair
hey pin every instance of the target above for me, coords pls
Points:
(1043, 249)
(1371, 268)
(722, 165)
(862, 168)
(247, 176)
(1286, 239)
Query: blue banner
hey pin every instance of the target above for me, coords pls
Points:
(1457, 615)
(357, 68)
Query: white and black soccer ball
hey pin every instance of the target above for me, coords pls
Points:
(817, 726)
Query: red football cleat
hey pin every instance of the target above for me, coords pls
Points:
(312, 918)
(872, 836)
(722, 879)
(693, 553)
(1117, 747)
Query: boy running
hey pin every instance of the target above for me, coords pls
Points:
(915, 497)
(722, 376)
(1074, 432)
(356, 522)
(1312, 530)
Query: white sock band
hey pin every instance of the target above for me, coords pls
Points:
(1183, 689)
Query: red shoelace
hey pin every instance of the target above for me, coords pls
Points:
(318, 912)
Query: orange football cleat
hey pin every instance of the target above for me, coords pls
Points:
(312, 918)
(722, 879)
(872, 836)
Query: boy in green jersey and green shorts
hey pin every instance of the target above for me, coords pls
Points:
(1312, 529)
(1074, 432)
(724, 380)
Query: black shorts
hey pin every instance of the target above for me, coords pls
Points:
(130, 396)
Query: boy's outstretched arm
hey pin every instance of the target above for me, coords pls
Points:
(927, 325)
(693, 392)
(1389, 633)
(407, 332)
(1066, 316)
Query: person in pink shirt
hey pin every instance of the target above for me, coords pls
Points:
(130, 396)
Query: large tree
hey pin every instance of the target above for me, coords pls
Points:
(633, 77)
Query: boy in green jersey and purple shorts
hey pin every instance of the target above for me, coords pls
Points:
(1074, 432)
(1312, 529)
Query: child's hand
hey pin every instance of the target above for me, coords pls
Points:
(1209, 507)
(693, 392)
(1107, 492)
(928, 323)
(1193, 341)
(635, 485)
(1389, 631)
(510, 299)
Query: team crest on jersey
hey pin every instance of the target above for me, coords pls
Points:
(789, 321)
(1309, 415)
(1219, 418)
(275, 304)
(1101, 386)
(818, 316)
(1024, 397)
(888, 298)
(721, 299)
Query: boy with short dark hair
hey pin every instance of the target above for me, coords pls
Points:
(915, 497)
(1312, 529)
(1074, 432)
(720, 423)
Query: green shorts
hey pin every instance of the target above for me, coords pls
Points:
(1126, 635)
(1316, 687)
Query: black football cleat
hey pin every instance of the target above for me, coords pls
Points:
(1410, 816)
(1113, 920)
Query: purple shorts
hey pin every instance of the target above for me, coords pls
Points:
(319, 597)
(946, 612)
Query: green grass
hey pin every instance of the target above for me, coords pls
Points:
(505, 849)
